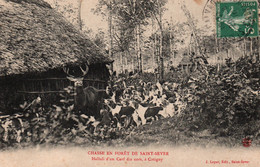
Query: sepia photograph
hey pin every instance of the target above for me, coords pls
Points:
(127, 83)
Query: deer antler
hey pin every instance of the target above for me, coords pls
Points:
(86, 70)
(66, 70)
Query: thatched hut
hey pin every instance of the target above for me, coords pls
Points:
(185, 64)
(36, 42)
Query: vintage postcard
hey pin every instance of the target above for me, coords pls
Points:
(126, 83)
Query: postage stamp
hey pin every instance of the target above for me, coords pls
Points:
(237, 19)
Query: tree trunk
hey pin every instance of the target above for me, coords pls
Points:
(161, 56)
(192, 26)
(139, 49)
(122, 62)
(110, 52)
(133, 67)
(79, 15)
(153, 47)
(170, 31)
(136, 50)
(244, 46)
(216, 43)
(142, 62)
(161, 45)
(258, 49)
(125, 62)
(156, 51)
(251, 46)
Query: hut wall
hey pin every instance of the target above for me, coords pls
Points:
(47, 85)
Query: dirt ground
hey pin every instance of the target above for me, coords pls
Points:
(172, 132)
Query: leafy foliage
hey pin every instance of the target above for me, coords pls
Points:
(219, 103)
(57, 124)
(225, 99)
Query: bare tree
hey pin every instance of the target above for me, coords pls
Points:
(79, 14)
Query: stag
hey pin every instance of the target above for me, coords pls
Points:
(87, 100)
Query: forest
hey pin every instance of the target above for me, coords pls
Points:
(170, 83)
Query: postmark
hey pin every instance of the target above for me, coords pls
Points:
(237, 19)
(247, 142)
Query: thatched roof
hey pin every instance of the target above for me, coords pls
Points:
(35, 38)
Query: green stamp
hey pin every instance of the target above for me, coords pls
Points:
(237, 19)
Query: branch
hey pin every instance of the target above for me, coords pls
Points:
(203, 11)
(158, 21)
(115, 35)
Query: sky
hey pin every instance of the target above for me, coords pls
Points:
(92, 20)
